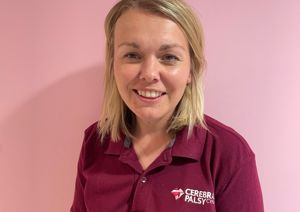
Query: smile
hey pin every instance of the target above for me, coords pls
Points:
(149, 94)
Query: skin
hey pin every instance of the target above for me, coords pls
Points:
(151, 69)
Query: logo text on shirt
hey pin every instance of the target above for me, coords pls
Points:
(194, 196)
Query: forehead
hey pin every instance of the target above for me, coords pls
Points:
(134, 17)
(141, 24)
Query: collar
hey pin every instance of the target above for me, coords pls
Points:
(115, 147)
(189, 147)
(183, 146)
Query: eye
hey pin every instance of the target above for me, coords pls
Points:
(169, 58)
(132, 56)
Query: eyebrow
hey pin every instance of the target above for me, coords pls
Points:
(162, 48)
(170, 46)
(131, 44)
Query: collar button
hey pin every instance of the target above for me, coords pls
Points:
(144, 179)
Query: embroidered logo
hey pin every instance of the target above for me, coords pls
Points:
(194, 196)
(177, 193)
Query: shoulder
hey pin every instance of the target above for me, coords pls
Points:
(92, 129)
(92, 146)
(226, 140)
(91, 134)
(226, 152)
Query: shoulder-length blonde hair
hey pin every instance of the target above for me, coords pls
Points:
(116, 118)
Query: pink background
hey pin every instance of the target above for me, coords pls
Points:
(51, 62)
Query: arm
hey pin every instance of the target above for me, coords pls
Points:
(78, 202)
(242, 192)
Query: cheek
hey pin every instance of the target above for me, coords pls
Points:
(119, 80)
(124, 78)
(126, 73)
(119, 74)
(180, 78)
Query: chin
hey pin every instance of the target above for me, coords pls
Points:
(149, 117)
(152, 116)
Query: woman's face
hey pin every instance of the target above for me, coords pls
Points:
(151, 64)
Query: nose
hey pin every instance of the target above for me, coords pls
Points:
(150, 70)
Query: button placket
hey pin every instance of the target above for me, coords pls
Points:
(141, 194)
(144, 179)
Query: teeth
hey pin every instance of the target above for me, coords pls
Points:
(150, 94)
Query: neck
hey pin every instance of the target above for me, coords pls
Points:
(150, 130)
(150, 140)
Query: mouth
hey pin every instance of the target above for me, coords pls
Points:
(149, 93)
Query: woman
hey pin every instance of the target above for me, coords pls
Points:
(153, 148)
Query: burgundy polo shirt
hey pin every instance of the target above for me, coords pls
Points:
(213, 170)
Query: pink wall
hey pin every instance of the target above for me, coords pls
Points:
(51, 58)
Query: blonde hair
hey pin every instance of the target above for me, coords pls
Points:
(116, 117)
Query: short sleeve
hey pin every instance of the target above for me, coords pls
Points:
(242, 191)
(78, 201)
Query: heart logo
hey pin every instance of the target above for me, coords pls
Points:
(177, 193)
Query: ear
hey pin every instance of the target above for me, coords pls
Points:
(189, 79)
